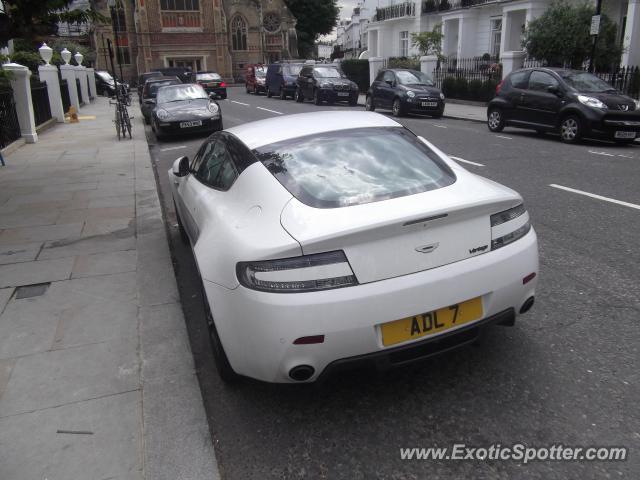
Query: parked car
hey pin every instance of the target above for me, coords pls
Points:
(184, 74)
(150, 91)
(106, 84)
(325, 83)
(212, 83)
(329, 239)
(281, 79)
(255, 79)
(405, 91)
(185, 108)
(142, 79)
(574, 103)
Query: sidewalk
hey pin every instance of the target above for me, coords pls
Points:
(461, 111)
(96, 374)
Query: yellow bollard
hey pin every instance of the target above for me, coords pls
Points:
(73, 115)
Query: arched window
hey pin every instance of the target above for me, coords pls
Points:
(239, 33)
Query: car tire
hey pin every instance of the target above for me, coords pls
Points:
(218, 126)
(283, 94)
(495, 120)
(570, 129)
(316, 97)
(225, 370)
(183, 233)
(156, 132)
(298, 96)
(369, 105)
(397, 109)
(269, 94)
(246, 87)
(146, 120)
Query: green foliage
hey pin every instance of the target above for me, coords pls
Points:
(357, 71)
(475, 90)
(5, 76)
(412, 63)
(314, 18)
(429, 43)
(561, 36)
(31, 60)
(59, 44)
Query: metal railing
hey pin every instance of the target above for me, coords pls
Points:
(40, 102)
(9, 126)
(187, 19)
(79, 90)
(432, 6)
(401, 10)
(64, 93)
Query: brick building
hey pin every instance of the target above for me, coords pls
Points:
(219, 35)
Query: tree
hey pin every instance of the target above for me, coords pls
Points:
(429, 43)
(315, 18)
(34, 20)
(561, 37)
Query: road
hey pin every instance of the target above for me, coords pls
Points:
(567, 373)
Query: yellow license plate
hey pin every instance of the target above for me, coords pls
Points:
(431, 322)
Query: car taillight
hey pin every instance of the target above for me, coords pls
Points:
(308, 273)
(222, 84)
(498, 87)
(509, 226)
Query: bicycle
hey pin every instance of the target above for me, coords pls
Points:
(122, 119)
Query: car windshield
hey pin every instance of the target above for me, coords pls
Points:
(328, 72)
(412, 77)
(356, 166)
(205, 77)
(106, 76)
(152, 91)
(292, 69)
(261, 72)
(182, 92)
(587, 82)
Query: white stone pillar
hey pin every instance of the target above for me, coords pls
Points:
(68, 73)
(22, 96)
(93, 91)
(631, 55)
(49, 75)
(375, 64)
(512, 60)
(428, 64)
(84, 88)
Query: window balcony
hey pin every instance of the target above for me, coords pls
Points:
(434, 6)
(392, 12)
(180, 20)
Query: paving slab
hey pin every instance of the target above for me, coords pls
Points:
(5, 295)
(156, 282)
(85, 246)
(111, 451)
(23, 252)
(20, 220)
(40, 233)
(39, 198)
(104, 263)
(28, 273)
(103, 213)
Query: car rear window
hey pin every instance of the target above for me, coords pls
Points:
(205, 77)
(356, 166)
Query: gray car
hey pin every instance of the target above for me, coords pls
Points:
(150, 91)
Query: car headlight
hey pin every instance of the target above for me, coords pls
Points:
(441, 96)
(325, 85)
(162, 114)
(591, 102)
(308, 273)
(213, 107)
(637, 104)
(509, 226)
(411, 94)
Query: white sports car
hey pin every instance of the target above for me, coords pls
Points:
(330, 239)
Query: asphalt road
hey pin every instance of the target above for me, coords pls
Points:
(568, 373)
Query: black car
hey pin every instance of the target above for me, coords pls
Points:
(212, 83)
(150, 91)
(405, 91)
(185, 108)
(106, 84)
(142, 79)
(325, 83)
(573, 103)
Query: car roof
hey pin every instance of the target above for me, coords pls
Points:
(161, 79)
(264, 132)
(207, 71)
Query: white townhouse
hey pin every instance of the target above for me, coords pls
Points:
(472, 28)
(351, 35)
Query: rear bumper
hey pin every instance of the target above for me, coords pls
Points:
(220, 92)
(258, 329)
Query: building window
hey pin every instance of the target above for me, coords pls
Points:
(404, 44)
(180, 5)
(495, 38)
(118, 18)
(123, 55)
(195, 64)
(239, 33)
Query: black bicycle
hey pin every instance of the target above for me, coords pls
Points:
(122, 119)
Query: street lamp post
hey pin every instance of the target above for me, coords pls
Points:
(595, 30)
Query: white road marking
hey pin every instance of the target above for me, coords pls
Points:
(458, 159)
(239, 103)
(598, 197)
(502, 136)
(267, 110)
(624, 156)
(172, 148)
(439, 126)
(602, 153)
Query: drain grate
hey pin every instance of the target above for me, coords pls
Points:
(29, 291)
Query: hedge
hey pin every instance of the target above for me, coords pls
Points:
(463, 89)
(357, 71)
(411, 63)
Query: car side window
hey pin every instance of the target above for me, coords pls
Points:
(389, 76)
(216, 167)
(380, 76)
(541, 81)
(205, 149)
(519, 79)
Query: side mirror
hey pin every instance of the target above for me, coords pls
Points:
(389, 82)
(149, 101)
(212, 96)
(181, 167)
(553, 89)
